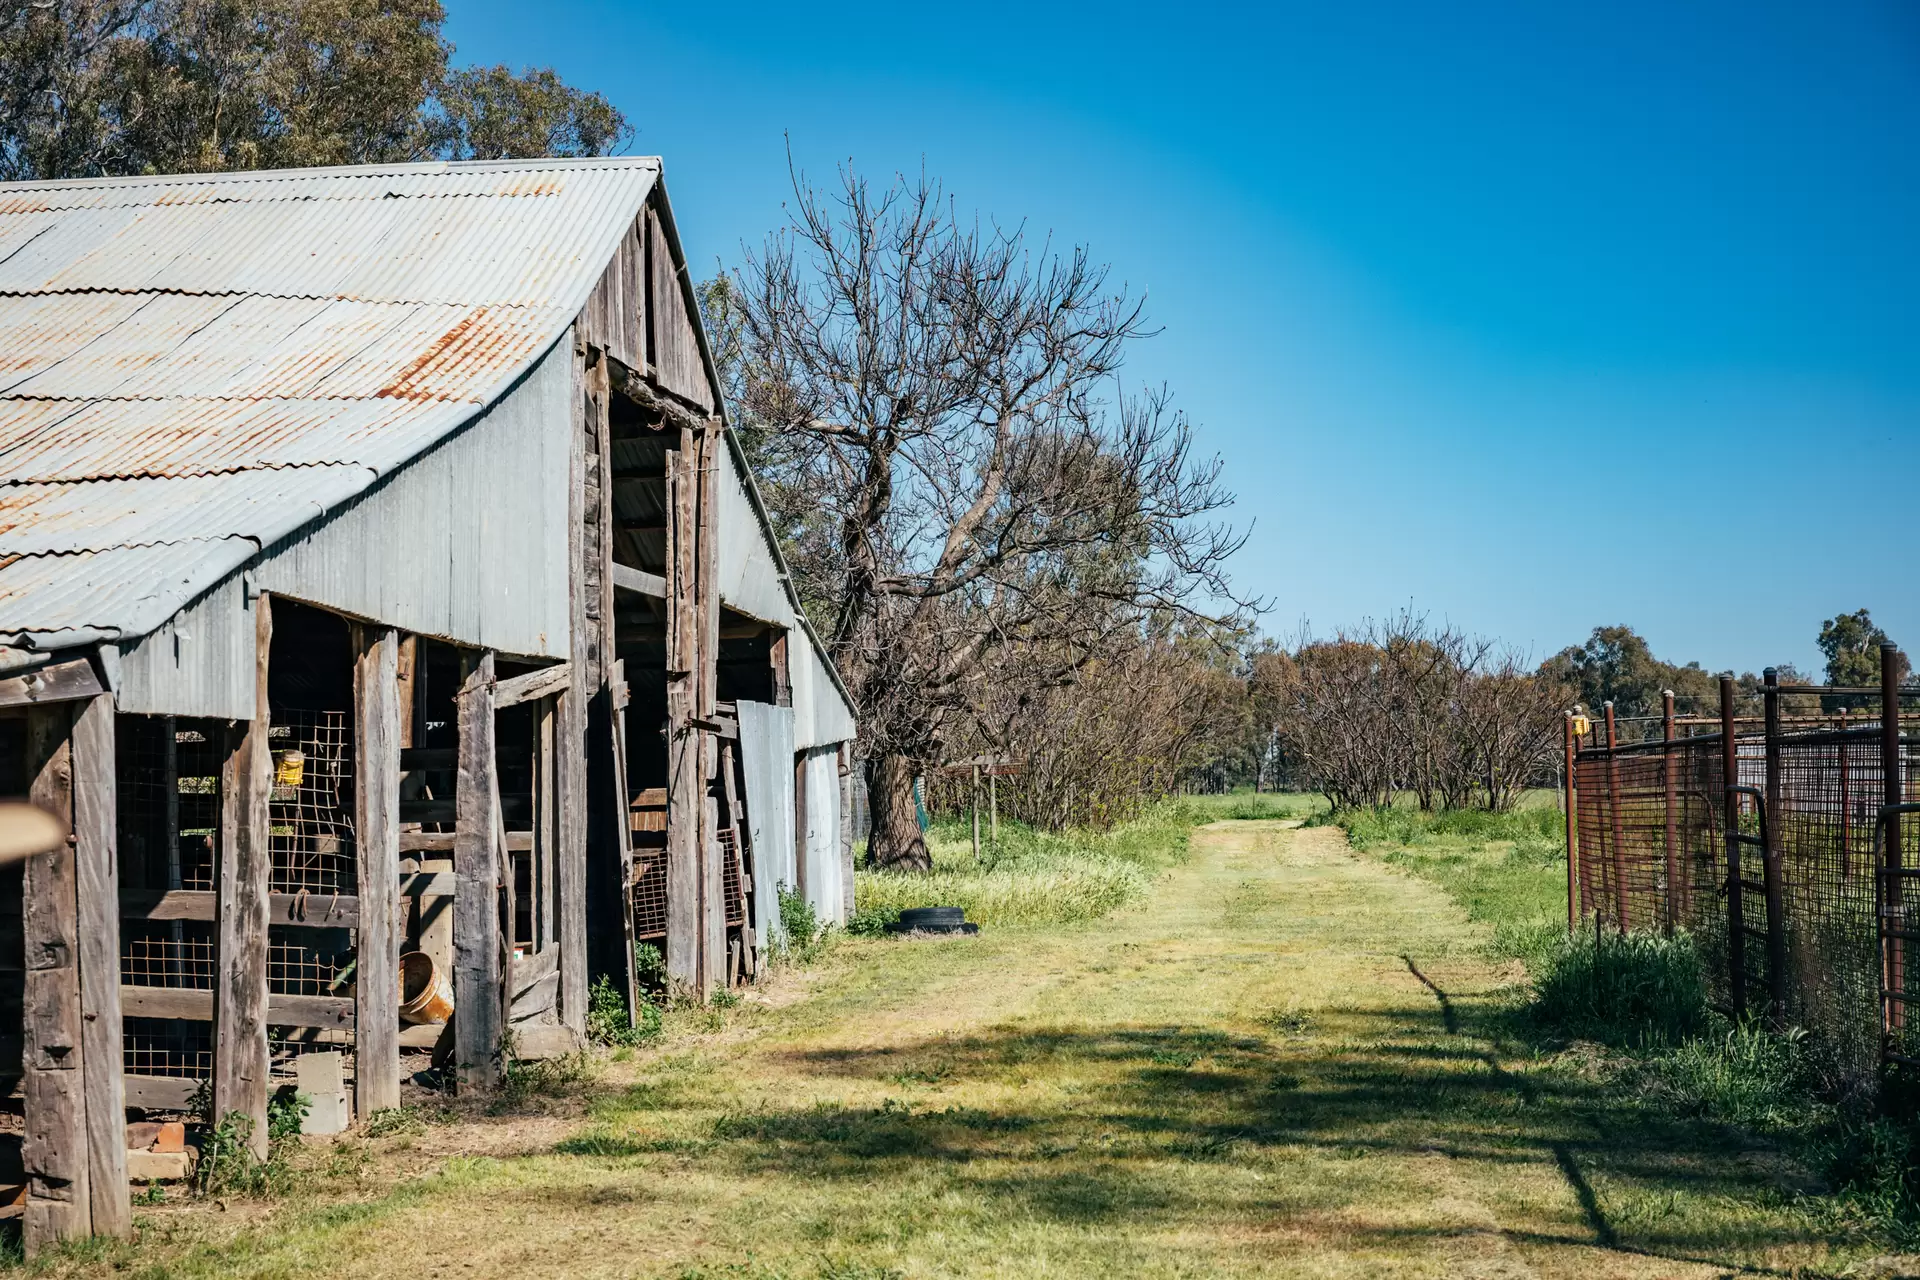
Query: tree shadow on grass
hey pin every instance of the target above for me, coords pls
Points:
(1402, 1081)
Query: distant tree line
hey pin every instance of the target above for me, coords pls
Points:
(92, 88)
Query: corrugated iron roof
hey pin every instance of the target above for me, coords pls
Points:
(193, 367)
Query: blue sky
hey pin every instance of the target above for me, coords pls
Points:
(1533, 317)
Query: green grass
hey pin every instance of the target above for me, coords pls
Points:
(1643, 997)
(1031, 877)
(1509, 870)
(1287, 1061)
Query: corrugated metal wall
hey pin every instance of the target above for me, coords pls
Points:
(750, 583)
(826, 888)
(201, 663)
(766, 760)
(749, 579)
(468, 542)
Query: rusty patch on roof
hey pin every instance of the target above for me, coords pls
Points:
(482, 339)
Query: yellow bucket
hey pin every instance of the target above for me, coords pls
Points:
(425, 996)
(289, 768)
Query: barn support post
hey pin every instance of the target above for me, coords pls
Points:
(621, 927)
(706, 603)
(97, 881)
(240, 1061)
(477, 969)
(570, 735)
(376, 1013)
(54, 1145)
(686, 764)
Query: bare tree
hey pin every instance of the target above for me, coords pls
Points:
(1405, 705)
(936, 399)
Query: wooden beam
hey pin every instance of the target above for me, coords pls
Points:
(429, 884)
(443, 841)
(97, 880)
(161, 1093)
(534, 684)
(639, 582)
(56, 682)
(634, 386)
(54, 1145)
(476, 903)
(376, 1012)
(334, 1013)
(412, 758)
(316, 911)
(245, 871)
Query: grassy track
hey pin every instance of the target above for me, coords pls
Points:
(1280, 1064)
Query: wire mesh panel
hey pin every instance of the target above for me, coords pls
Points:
(167, 778)
(730, 887)
(168, 1047)
(649, 893)
(1642, 817)
(311, 810)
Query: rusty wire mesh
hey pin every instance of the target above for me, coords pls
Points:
(311, 809)
(1651, 853)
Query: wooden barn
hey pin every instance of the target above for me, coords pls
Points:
(389, 609)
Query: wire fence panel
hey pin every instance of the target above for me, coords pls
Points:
(1651, 852)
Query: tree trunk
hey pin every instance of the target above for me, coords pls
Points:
(896, 842)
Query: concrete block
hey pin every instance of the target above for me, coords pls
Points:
(159, 1166)
(322, 1077)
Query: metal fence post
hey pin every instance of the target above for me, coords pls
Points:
(1674, 887)
(1736, 920)
(1573, 907)
(1770, 859)
(1621, 897)
(1893, 893)
(1846, 798)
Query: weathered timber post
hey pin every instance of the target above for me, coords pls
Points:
(686, 764)
(376, 791)
(1893, 896)
(618, 696)
(1771, 863)
(97, 881)
(54, 1145)
(1736, 916)
(1573, 848)
(570, 728)
(1676, 888)
(993, 803)
(706, 604)
(476, 905)
(973, 806)
(1622, 897)
(240, 1060)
